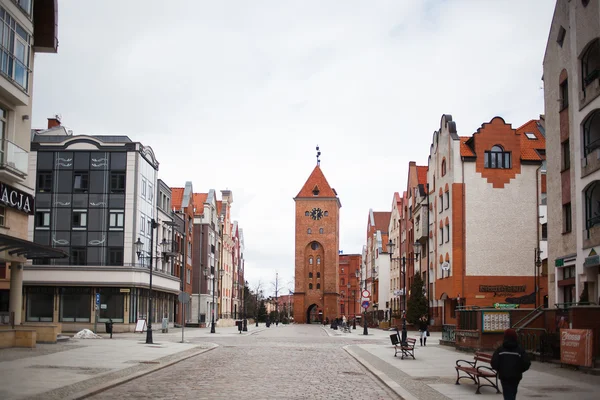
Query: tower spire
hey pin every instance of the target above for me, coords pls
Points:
(318, 155)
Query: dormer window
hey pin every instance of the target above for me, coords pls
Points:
(316, 191)
(530, 135)
(497, 158)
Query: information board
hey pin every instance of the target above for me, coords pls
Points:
(140, 326)
(495, 321)
(576, 347)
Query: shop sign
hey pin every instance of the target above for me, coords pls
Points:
(505, 306)
(16, 199)
(576, 347)
(502, 288)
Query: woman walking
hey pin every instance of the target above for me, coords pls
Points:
(423, 328)
(510, 361)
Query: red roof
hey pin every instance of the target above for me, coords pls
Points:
(176, 198)
(465, 150)
(199, 199)
(529, 146)
(316, 181)
(422, 174)
(382, 220)
(219, 206)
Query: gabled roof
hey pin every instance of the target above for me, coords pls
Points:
(316, 183)
(465, 149)
(219, 206)
(382, 220)
(199, 200)
(422, 174)
(529, 146)
(176, 197)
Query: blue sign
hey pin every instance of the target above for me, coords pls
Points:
(365, 304)
(97, 298)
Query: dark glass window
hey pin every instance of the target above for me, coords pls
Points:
(544, 231)
(62, 222)
(116, 201)
(566, 155)
(310, 286)
(79, 219)
(497, 158)
(81, 182)
(318, 286)
(114, 306)
(115, 256)
(318, 274)
(96, 221)
(42, 219)
(42, 237)
(314, 245)
(75, 304)
(98, 182)
(115, 238)
(45, 160)
(65, 182)
(44, 181)
(94, 254)
(64, 160)
(99, 161)
(40, 304)
(78, 256)
(79, 238)
(564, 94)
(118, 161)
(567, 226)
(590, 63)
(82, 160)
(117, 182)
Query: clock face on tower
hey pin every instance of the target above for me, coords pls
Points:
(316, 214)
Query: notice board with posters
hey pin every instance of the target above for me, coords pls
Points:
(495, 321)
(576, 347)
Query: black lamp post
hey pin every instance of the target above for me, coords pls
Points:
(212, 276)
(245, 327)
(417, 248)
(365, 330)
(138, 249)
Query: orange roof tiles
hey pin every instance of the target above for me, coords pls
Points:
(176, 197)
(465, 150)
(219, 206)
(199, 199)
(382, 220)
(529, 146)
(316, 179)
(422, 174)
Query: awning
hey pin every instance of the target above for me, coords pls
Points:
(24, 248)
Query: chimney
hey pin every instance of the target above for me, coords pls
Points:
(54, 122)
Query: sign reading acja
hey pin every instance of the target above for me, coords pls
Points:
(16, 198)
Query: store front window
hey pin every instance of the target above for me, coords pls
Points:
(75, 304)
(112, 305)
(40, 304)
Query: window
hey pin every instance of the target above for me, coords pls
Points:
(592, 205)
(306, 213)
(309, 231)
(44, 182)
(441, 236)
(326, 213)
(15, 50)
(318, 275)
(591, 133)
(79, 219)
(117, 182)
(447, 202)
(441, 203)
(310, 286)
(114, 305)
(566, 155)
(560, 38)
(149, 228)
(40, 304)
(530, 135)
(321, 231)
(81, 182)
(590, 63)
(497, 158)
(310, 260)
(2, 216)
(568, 272)
(447, 233)
(143, 188)
(443, 167)
(115, 256)
(116, 219)
(318, 260)
(150, 196)
(42, 219)
(75, 304)
(545, 231)
(318, 286)
(142, 224)
(343, 282)
(314, 245)
(78, 256)
(3, 114)
(188, 276)
(564, 95)
(310, 275)
(567, 226)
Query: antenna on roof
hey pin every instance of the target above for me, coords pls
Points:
(318, 155)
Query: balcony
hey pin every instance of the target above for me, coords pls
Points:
(13, 161)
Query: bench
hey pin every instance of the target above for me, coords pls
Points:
(476, 372)
(407, 349)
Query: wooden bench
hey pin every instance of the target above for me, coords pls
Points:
(476, 372)
(407, 349)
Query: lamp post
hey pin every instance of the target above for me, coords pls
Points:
(417, 247)
(245, 327)
(212, 276)
(138, 249)
(365, 330)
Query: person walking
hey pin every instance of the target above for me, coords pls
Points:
(423, 328)
(510, 361)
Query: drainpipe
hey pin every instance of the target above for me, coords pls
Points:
(464, 231)
(537, 220)
(427, 266)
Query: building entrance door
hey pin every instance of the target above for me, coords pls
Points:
(312, 314)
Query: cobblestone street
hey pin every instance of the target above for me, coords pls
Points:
(285, 362)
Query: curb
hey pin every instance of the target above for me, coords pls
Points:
(386, 380)
(117, 382)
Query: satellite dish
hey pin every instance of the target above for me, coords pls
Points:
(446, 266)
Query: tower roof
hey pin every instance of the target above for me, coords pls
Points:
(316, 186)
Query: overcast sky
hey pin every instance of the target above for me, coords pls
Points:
(237, 94)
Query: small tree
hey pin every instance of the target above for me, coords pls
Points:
(262, 312)
(417, 303)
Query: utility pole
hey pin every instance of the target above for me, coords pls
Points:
(276, 299)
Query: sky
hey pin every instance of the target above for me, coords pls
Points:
(237, 94)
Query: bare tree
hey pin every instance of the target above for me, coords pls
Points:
(277, 285)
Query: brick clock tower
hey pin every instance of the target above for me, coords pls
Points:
(316, 294)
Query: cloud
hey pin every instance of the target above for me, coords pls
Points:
(237, 94)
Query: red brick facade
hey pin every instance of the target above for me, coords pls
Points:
(349, 296)
(316, 294)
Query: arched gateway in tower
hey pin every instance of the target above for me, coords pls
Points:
(316, 294)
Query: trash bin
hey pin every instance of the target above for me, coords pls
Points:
(165, 325)
(109, 327)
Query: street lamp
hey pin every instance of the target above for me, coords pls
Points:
(212, 276)
(417, 247)
(245, 327)
(365, 330)
(138, 249)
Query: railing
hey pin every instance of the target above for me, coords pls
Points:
(467, 319)
(448, 333)
(13, 157)
(529, 315)
(573, 304)
(530, 339)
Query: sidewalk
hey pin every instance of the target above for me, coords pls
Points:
(432, 374)
(72, 369)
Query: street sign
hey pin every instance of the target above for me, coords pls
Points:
(184, 297)
(103, 306)
(97, 298)
(366, 293)
(365, 304)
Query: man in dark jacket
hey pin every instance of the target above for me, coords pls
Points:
(510, 361)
